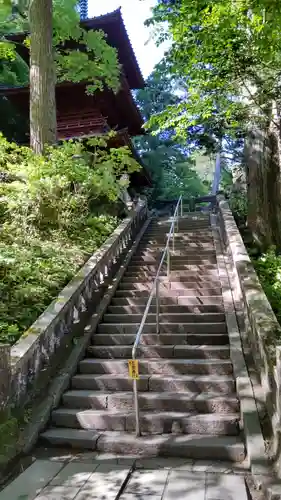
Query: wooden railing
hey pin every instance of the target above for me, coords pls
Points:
(28, 366)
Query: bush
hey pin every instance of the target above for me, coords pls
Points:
(51, 221)
(268, 267)
(238, 206)
(9, 439)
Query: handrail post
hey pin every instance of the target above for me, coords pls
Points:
(157, 306)
(174, 238)
(137, 411)
(168, 261)
(181, 208)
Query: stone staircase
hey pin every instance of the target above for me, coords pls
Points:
(188, 404)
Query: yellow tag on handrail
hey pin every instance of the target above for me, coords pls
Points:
(133, 368)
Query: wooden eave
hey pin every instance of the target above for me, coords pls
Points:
(119, 110)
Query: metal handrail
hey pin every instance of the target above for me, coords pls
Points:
(155, 290)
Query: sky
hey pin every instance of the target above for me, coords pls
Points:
(134, 13)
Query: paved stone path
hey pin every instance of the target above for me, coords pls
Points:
(90, 476)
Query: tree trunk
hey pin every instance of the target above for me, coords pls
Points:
(43, 124)
(262, 160)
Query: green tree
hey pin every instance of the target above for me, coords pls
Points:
(167, 159)
(55, 210)
(229, 53)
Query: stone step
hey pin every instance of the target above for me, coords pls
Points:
(145, 246)
(186, 231)
(166, 318)
(153, 268)
(158, 422)
(185, 445)
(148, 339)
(172, 281)
(193, 215)
(179, 247)
(174, 277)
(194, 242)
(183, 288)
(196, 247)
(175, 261)
(164, 328)
(164, 308)
(180, 232)
(183, 269)
(220, 384)
(169, 367)
(149, 401)
(181, 241)
(192, 222)
(165, 223)
(182, 222)
(179, 254)
(190, 292)
(185, 223)
(184, 219)
(189, 302)
(164, 229)
(181, 227)
(160, 351)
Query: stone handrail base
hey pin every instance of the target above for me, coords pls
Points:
(27, 367)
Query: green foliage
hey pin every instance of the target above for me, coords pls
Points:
(228, 56)
(172, 173)
(268, 267)
(13, 70)
(226, 181)
(95, 62)
(238, 206)
(52, 217)
(9, 439)
(167, 160)
(158, 92)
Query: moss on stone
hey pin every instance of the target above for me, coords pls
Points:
(9, 439)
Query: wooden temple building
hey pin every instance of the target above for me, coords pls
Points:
(80, 115)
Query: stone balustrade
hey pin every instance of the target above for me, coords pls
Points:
(27, 367)
(261, 328)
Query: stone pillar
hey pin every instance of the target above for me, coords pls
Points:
(125, 195)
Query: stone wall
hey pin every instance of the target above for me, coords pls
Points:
(261, 328)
